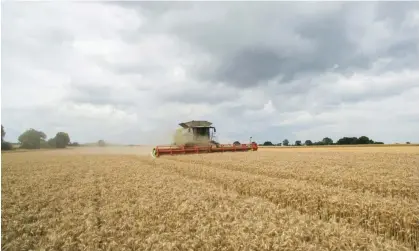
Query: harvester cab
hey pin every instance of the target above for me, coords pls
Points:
(198, 137)
(194, 133)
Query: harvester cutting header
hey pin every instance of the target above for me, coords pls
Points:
(196, 137)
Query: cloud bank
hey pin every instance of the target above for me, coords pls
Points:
(129, 72)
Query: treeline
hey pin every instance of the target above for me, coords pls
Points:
(34, 139)
(4, 144)
(326, 141)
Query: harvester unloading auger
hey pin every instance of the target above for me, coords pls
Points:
(197, 137)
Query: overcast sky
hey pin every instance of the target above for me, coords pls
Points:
(129, 72)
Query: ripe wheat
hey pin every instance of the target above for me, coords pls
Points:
(267, 200)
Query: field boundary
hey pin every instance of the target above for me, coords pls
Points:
(18, 150)
(342, 146)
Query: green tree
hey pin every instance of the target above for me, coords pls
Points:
(298, 142)
(3, 133)
(62, 139)
(31, 139)
(327, 141)
(45, 144)
(285, 142)
(308, 143)
(52, 143)
(236, 143)
(347, 141)
(4, 144)
(363, 140)
(268, 143)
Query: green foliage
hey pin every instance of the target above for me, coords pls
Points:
(6, 146)
(3, 133)
(45, 144)
(34, 139)
(31, 139)
(347, 141)
(354, 140)
(52, 143)
(363, 140)
(268, 143)
(74, 144)
(62, 140)
(101, 142)
(327, 141)
(236, 143)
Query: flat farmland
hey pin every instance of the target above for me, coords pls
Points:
(119, 198)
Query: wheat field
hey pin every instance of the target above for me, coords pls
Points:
(341, 198)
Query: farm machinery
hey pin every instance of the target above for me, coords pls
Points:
(196, 137)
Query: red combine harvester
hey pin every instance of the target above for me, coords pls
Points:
(197, 137)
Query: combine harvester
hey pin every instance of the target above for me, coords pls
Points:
(197, 137)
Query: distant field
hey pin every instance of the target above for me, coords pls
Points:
(282, 198)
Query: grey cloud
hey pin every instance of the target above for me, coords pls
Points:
(129, 68)
(370, 95)
(333, 46)
(199, 96)
(249, 66)
(404, 49)
(244, 60)
(395, 11)
(98, 95)
(404, 55)
(155, 7)
(232, 57)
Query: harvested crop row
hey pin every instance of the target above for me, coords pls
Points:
(392, 218)
(361, 180)
(122, 202)
(398, 182)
